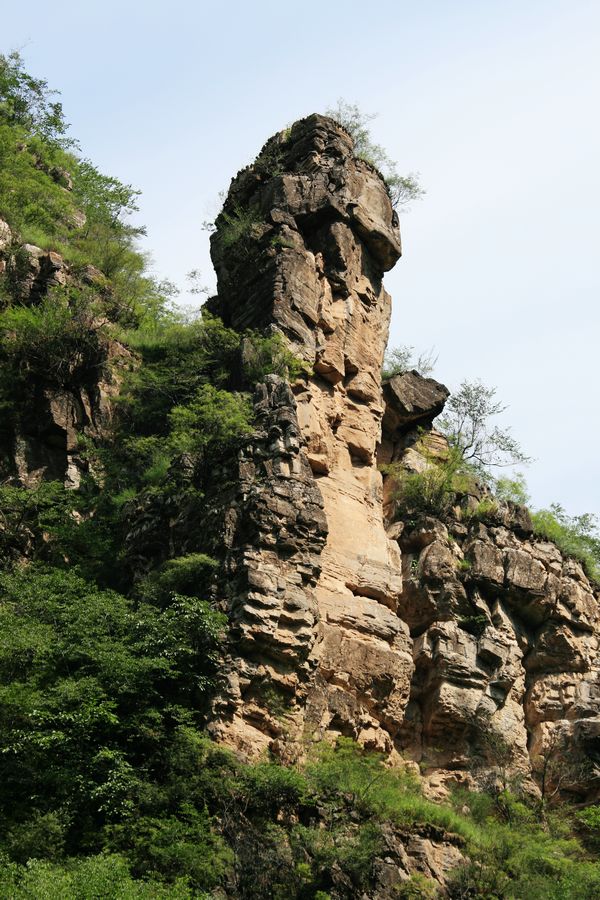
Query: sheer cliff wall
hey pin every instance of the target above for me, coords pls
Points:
(320, 234)
(424, 636)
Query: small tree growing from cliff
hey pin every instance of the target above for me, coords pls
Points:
(402, 359)
(466, 423)
(403, 189)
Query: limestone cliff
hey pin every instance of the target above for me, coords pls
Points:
(417, 636)
(504, 627)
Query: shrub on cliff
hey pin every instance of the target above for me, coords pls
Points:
(58, 340)
(577, 536)
(211, 422)
(399, 360)
(403, 189)
(434, 490)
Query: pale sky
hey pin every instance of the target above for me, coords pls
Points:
(494, 103)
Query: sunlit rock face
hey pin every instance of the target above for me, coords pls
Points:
(445, 640)
(318, 232)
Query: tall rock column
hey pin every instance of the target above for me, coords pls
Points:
(301, 246)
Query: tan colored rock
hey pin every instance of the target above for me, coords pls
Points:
(487, 563)
(329, 218)
(5, 235)
(524, 571)
(411, 399)
(438, 639)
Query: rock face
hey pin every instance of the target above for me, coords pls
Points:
(273, 534)
(44, 439)
(505, 630)
(461, 640)
(302, 244)
(442, 639)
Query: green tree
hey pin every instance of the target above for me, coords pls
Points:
(466, 423)
(403, 189)
(92, 687)
(27, 101)
(399, 360)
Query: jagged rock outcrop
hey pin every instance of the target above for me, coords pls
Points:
(435, 637)
(273, 536)
(451, 638)
(310, 261)
(43, 442)
(505, 635)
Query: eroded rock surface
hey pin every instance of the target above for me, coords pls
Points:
(446, 640)
(306, 235)
(505, 642)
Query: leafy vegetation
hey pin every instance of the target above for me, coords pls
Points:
(434, 490)
(466, 423)
(399, 360)
(403, 189)
(53, 198)
(512, 490)
(238, 224)
(577, 536)
(110, 787)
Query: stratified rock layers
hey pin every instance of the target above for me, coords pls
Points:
(321, 233)
(491, 631)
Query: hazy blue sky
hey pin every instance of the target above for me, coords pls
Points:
(494, 103)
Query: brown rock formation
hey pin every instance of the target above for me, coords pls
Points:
(302, 244)
(429, 637)
(505, 641)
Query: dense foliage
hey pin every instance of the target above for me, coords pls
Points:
(53, 198)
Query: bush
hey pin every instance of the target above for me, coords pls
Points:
(187, 575)
(588, 821)
(399, 360)
(403, 189)
(237, 224)
(59, 341)
(106, 876)
(269, 355)
(210, 422)
(178, 847)
(576, 536)
(485, 509)
(512, 490)
(433, 491)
